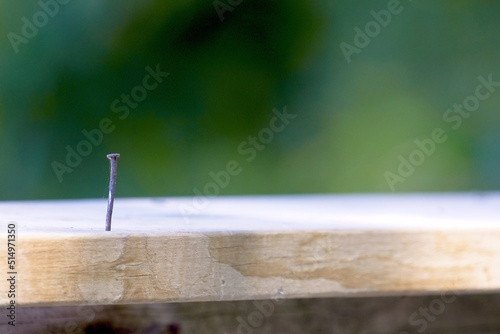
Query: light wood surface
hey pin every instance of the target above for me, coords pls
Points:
(237, 248)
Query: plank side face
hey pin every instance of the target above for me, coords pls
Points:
(253, 248)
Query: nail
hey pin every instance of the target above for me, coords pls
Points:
(112, 184)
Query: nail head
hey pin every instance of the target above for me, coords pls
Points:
(113, 155)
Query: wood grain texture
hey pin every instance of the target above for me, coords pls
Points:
(253, 248)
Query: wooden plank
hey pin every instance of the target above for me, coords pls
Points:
(264, 247)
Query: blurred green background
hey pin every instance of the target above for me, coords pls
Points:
(354, 119)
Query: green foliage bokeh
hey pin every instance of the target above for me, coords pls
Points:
(354, 119)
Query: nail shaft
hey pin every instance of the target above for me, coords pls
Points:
(112, 184)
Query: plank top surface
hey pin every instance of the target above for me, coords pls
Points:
(260, 213)
(235, 248)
